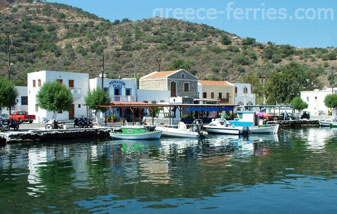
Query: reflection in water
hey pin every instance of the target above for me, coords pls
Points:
(170, 173)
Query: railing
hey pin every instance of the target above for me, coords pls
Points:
(223, 101)
(124, 98)
(245, 95)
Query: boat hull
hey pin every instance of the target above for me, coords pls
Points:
(328, 124)
(144, 136)
(224, 130)
(264, 130)
(171, 132)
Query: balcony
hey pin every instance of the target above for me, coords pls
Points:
(245, 95)
(123, 99)
(76, 92)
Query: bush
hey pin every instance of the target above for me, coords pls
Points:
(225, 39)
(277, 58)
(248, 41)
(241, 60)
(233, 48)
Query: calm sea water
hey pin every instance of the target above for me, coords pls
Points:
(294, 172)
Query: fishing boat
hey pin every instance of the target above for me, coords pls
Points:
(250, 119)
(328, 123)
(182, 131)
(135, 133)
(264, 129)
(222, 126)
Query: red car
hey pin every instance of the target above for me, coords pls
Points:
(22, 116)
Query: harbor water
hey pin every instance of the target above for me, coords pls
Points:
(293, 172)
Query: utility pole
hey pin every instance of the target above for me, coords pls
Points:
(159, 60)
(9, 57)
(103, 71)
(9, 66)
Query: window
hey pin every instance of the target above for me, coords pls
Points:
(145, 101)
(315, 98)
(71, 83)
(227, 96)
(183, 76)
(212, 95)
(204, 95)
(106, 90)
(220, 95)
(59, 81)
(154, 102)
(186, 87)
(34, 83)
(24, 100)
(79, 105)
(128, 91)
(36, 108)
(236, 90)
(117, 92)
(245, 90)
(39, 83)
(307, 99)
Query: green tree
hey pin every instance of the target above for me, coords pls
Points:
(226, 40)
(298, 104)
(257, 87)
(180, 64)
(331, 102)
(55, 97)
(95, 99)
(8, 93)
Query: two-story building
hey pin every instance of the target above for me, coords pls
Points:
(21, 101)
(243, 94)
(119, 90)
(315, 100)
(216, 92)
(78, 83)
(180, 83)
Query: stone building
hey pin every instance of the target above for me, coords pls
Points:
(180, 83)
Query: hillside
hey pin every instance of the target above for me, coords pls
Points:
(49, 36)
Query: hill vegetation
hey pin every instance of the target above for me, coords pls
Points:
(50, 36)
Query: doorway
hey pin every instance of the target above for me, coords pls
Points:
(173, 89)
(72, 112)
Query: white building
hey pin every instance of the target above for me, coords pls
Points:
(21, 101)
(120, 90)
(153, 96)
(78, 84)
(243, 94)
(315, 100)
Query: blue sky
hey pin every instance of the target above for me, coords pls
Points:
(300, 23)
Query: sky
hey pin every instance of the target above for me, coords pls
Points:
(301, 23)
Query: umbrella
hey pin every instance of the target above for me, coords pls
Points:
(260, 114)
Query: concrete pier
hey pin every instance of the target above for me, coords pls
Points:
(296, 123)
(54, 135)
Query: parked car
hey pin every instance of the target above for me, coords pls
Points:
(22, 116)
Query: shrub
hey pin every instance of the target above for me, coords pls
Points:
(225, 39)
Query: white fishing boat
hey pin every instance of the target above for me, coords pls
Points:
(264, 129)
(221, 126)
(182, 131)
(328, 123)
(135, 133)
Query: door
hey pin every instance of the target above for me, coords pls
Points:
(173, 89)
(72, 112)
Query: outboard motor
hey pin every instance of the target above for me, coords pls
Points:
(245, 130)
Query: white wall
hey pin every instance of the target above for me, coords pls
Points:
(123, 84)
(315, 100)
(79, 91)
(244, 98)
(153, 96)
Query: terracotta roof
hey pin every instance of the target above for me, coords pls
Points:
(162, 74)
(126, 103)
(214, 83)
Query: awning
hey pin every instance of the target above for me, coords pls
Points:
(211, 108)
